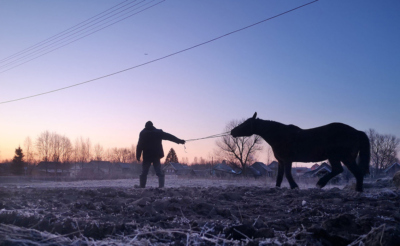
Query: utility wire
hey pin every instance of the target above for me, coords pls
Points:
(68, 42)
(56, 42)
(161, 58)
(57, 35)
(75, 36)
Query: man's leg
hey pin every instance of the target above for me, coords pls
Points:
(145, 170)
(159, 173)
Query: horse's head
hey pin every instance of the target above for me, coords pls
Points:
(245, 129)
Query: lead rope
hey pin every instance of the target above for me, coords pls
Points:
(212, 136)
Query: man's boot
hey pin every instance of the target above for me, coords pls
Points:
(143, 180)
(161, 181)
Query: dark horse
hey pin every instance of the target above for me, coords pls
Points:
(335, 142)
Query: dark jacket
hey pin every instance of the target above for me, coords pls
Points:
(150, 143)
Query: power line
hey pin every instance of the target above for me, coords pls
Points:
(161, 58)
(47, 47)
(57, 35)
(56, 42)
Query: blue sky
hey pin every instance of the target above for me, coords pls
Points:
(332, 61)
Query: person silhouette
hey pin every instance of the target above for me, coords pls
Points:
(150, 143)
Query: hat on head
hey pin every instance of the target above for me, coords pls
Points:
(149, 124)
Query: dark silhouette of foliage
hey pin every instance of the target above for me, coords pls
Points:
(17, 166)
(171, 157)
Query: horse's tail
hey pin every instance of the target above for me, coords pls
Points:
(365, 154)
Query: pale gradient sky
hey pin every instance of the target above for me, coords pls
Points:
(332, 61)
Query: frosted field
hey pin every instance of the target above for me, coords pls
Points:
(197, 212)
(170, 182)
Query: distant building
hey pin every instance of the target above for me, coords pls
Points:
(4, 169)
(174, 168)
(98, 169)
(299, 171)
(51, 169)
(390, 171)
(75, 169)
(125, 168)
(274, 167)
(261, 169)
(201, 173)
(315, 166)
(323, 169)
(223, 170)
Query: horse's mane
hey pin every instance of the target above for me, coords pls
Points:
(270, 121)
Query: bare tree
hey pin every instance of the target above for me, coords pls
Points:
(98, 152)
(66, 150)
(29, 151)
(184, 160)
(383, 150)
(123, 155)
(108, 155)
(82, 150)
(43, 146)
(117, 155)
(132, 154)
(240, 150)
(55, 147)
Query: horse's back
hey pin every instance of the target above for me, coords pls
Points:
(334, 139)
(332, 130)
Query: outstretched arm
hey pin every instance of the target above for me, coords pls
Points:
(170, 137)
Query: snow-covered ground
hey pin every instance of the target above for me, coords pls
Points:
(170, 181)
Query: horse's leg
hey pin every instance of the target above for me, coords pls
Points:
(289, 177)
(279, 177)
(358, 174)
(336, 169)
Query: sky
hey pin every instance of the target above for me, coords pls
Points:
(331, 61)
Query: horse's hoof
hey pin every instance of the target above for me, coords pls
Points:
(319, 186)
(296, 188)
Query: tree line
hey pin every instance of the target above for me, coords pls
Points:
(238, 152)
(53, 147)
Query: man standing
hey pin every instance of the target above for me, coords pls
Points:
(150, 144)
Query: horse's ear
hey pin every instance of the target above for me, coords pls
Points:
(255, 115)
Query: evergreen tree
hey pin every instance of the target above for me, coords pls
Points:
(17, 166)
(171, 157)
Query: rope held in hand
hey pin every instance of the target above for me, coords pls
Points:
(212, 136)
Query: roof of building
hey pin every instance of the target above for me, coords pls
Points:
(224, 168)
(259, 165)
(392, 166)
(273, 165)
(175, 165)
(49, 165)
(98, 164)
(254, 171)
(324, 167)
(301, 169)
(315, 166)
